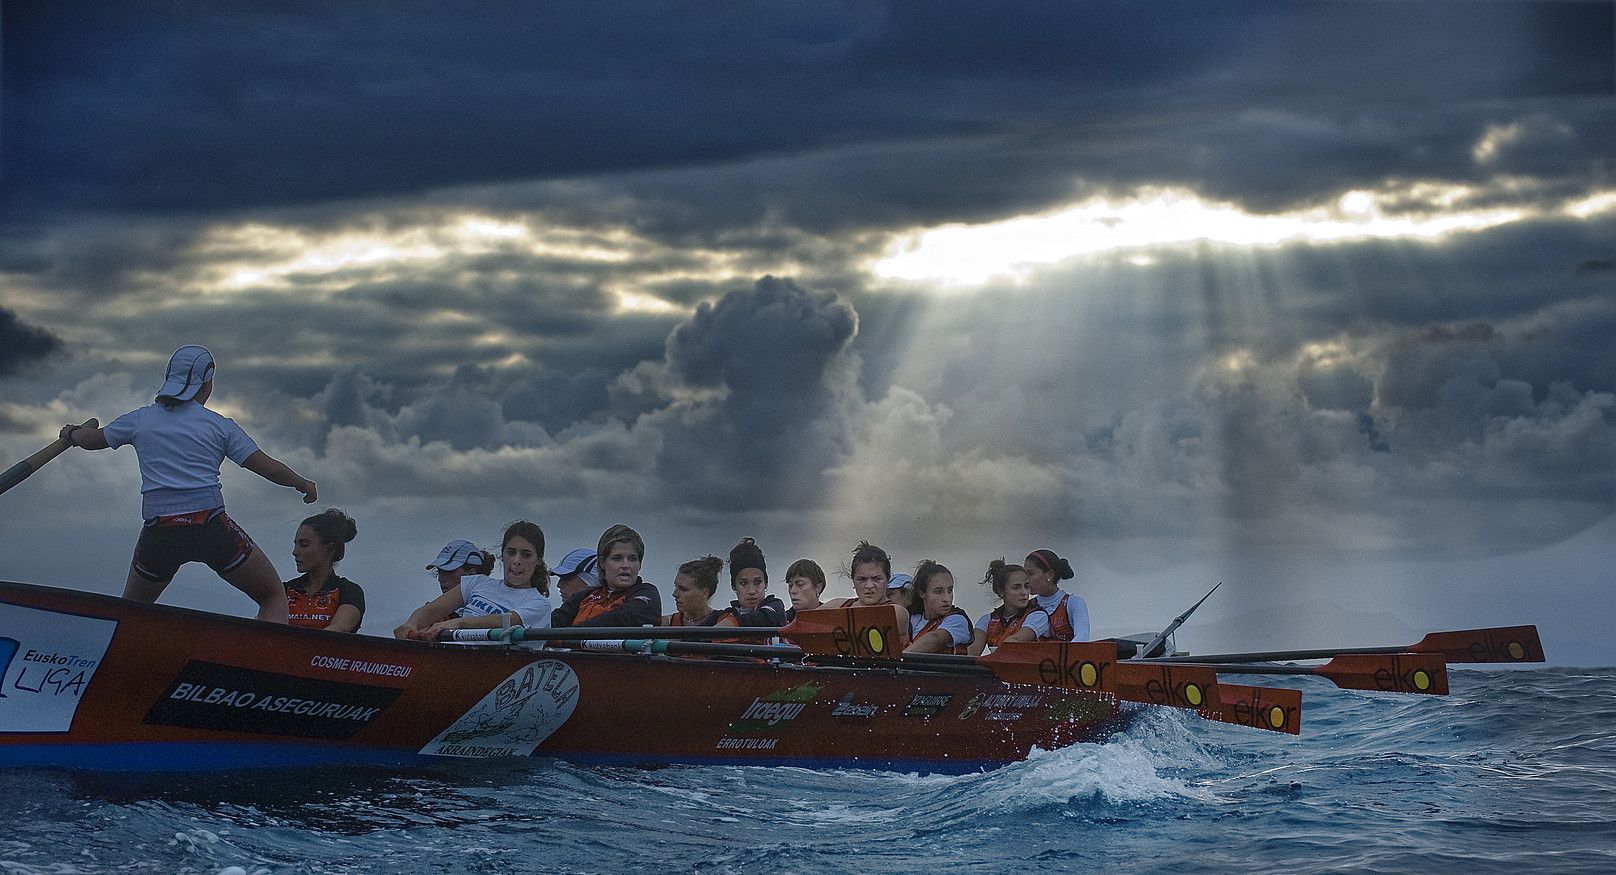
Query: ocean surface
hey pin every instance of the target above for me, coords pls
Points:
(1514, 772)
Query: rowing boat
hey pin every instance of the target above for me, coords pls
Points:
(96, 682)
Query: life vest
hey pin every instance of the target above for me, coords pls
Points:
(1060, 625)
(933, 625)
(312, 611)
(999, 628)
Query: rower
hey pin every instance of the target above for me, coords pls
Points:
(319, 598)
(622, 599)
(457, 559)
(749, 577)
(180, 445)
(521, 597)
(1017, 619)
(1068, 613)
(871, 569)
(694, 585)
(578, 571)
(805, 583)
(937, 626)
(901, 591)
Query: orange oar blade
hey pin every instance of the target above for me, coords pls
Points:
(1275, 709)
(870, 631)
(1503, 644)
(1388, 673)
(1093, 665)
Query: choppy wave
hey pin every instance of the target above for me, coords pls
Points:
(1516, 770)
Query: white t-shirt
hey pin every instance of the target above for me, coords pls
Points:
(957, 625)
(180, 452)
(488, 596)
(1036, 620)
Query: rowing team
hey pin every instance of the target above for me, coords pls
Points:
(180, 445)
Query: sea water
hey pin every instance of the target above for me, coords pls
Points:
(1514, 772)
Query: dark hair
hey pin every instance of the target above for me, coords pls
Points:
(484, 562)
(704, 571)
(534, 535)
(807, 568)
(334, 529)
(924, 572)
(746, 554)
(1048, 561)
(619, 533)
(866, 553)
(998, 575)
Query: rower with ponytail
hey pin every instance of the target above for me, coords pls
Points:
(1018, 618)
(1068, 613)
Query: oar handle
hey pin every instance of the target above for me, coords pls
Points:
(25, 469)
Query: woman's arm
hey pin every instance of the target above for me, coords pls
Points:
(439, 608)
(84, 436)
(979, 642)
(935, 641)
(278, 473)
(1022, 634)
(480, 621)
(346, 619)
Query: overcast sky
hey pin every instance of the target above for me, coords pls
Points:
(1316, 299)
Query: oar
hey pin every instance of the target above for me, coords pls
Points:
(25, 469)
(1381, 672)
(1163, 635)
(1272, 708)
(1502, 644)
(610, 633)
(1093, 665)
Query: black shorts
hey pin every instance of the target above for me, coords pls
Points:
(209, 536)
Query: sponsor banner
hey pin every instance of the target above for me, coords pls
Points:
(207, 695)
(848, 709)
(927, 705)
(766, 713)
(515, 717)
(46, 662)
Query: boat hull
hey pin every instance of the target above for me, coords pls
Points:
(96, 682)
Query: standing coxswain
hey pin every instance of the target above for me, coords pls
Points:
(180, 445)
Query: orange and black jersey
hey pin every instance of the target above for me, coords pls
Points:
(315, 610)
(639, 605)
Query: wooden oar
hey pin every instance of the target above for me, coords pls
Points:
(1501, 644)
(1381, 672)
(25, 469)
(1275, 709)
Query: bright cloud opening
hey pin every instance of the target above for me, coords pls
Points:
(966, 255)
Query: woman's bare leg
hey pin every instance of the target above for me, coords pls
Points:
(257, 578)
(140, 589)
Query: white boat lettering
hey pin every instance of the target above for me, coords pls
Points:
(204, 694)
(381, 669)
(772, 713)
(747, 743)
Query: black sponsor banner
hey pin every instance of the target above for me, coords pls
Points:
(207, 695)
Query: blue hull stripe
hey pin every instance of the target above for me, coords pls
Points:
(214, 756)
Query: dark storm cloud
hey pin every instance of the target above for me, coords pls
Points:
(124, 107)
(22, 344)
(777, 358)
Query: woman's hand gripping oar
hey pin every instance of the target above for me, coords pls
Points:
(24, 469)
